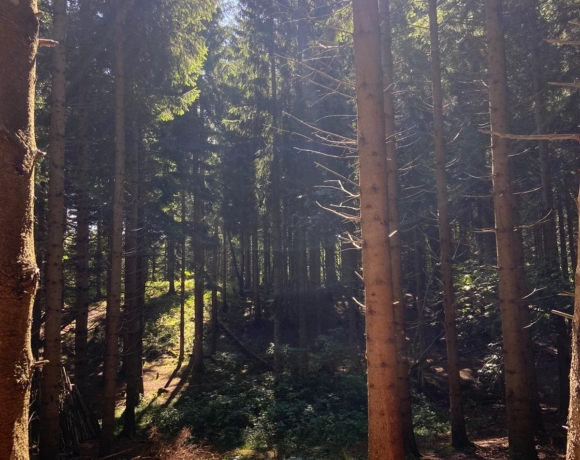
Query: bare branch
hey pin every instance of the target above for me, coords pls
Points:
(535, 137)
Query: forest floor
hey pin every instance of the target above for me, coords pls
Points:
(218, 405)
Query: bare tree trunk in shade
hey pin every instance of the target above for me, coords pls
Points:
(171, 264)
(18, 271)
(276, 202)
(131, 351)
(114, 294)
(458, 433)
(549, 227)
(99, 258)
(573, 447)
(182, 281)
(214, 294)
(224, 270)
(256, 269)
(198, 259)
(82, 255)
(572, 242)
(267, 258)
(384, 417)
(410, 443)
(562, 237)
(50, 385)
(302, 292)
(519, 413)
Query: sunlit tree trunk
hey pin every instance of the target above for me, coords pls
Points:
(114, 292)
(395, 238)
(562, 237)
(519, 413)
(18, 271)
(256, 269)
(385, 429)
(50, 387)
(458, 433)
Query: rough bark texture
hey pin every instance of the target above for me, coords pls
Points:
(573, 448)
(50, 385)
(519, 414)
(114, 292)
(385, 429)
(18, 271)
(395, 238)
(458, 433)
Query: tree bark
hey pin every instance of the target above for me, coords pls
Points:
(410, 443)
(171, 264)
(385, 429)
(458, 433)
(519, 413)
(276, 202)
(50, 386)
(182, 281)
(131, 351)
(114, 294)
(198, 259)
(573, 448)
(563, 249)
(256, 269)
(18, 270)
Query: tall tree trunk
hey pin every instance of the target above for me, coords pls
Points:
(50, 387)
(385, 429)
(214, 294)
(573, 448)
(256, 269)
(276, 202)
(224, 269)
(18, 271)
(410, 443)
(549, 226)
(519, 413)
(182, 281)
(572, 242)
(562, 235)
(330, 262)
(82, 254)
(458, 433)
(198, 259)
(302, 291)
(131, 355)
(99, 257)
(114, 294)
(171, 264)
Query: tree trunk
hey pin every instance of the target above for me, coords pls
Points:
(225, 270)
(99, 258)
(131, 351)
(114, 294)
(385, 429)
(18, 271)
(50, 387)
(198, 259)
(214, 294)
(82, 253)
(562, 235)
(256, 269)
(519, 414)
(572, 242)
(171, 264)
(276, 202)
(182, 281)
(458, 433)
(410, 443)
(573, 448)
(549, 227)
